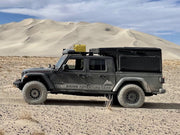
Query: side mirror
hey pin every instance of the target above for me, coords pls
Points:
(55, 69)
(65, 67)
(54, 66)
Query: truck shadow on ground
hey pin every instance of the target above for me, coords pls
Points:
(152, 105)
(75, 102)
(147, 105)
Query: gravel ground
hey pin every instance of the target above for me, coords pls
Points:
(79, 115)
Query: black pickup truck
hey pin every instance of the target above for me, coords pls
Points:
(127, 74)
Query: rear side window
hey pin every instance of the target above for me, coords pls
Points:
(140, 63)
(97, 64)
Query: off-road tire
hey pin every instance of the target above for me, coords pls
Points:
(34, 92)
(131, 96)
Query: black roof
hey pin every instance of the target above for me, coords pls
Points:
(97, 50)
(116, 51)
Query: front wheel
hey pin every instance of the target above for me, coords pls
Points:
(34, 92)
(131, 96)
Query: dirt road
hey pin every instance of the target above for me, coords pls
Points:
(79, 115)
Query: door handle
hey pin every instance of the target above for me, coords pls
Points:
(102, 76)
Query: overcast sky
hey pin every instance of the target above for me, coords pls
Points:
(156, 17)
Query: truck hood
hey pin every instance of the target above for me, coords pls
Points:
(35, 70)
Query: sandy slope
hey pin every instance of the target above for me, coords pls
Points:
(33, 37)
(75, 115)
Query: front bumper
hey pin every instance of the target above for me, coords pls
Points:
(18, 84)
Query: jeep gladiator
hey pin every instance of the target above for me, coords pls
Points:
(128, 74)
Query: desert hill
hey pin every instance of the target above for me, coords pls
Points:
(32, 37)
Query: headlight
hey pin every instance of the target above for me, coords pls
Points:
(22, 74)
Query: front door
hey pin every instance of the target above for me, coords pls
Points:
(73, 77)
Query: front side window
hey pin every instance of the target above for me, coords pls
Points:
(97, 64)
(75, 64)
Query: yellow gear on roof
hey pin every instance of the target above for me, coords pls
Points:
(79, 48)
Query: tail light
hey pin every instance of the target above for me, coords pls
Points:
(162, 80)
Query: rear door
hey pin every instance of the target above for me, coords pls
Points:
(100, 74)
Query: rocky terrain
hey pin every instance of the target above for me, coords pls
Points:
(76, 115)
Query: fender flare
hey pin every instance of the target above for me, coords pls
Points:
(134, 79)
(42, 76)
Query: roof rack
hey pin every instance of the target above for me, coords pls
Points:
(70, 51)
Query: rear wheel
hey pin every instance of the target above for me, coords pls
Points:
(34, 92)
(131, 96)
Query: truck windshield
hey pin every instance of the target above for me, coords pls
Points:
(61, 60)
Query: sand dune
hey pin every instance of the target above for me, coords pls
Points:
(33, 37)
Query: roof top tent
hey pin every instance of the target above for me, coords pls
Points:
(135, 59)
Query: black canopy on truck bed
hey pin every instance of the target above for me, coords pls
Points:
(135, 59)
